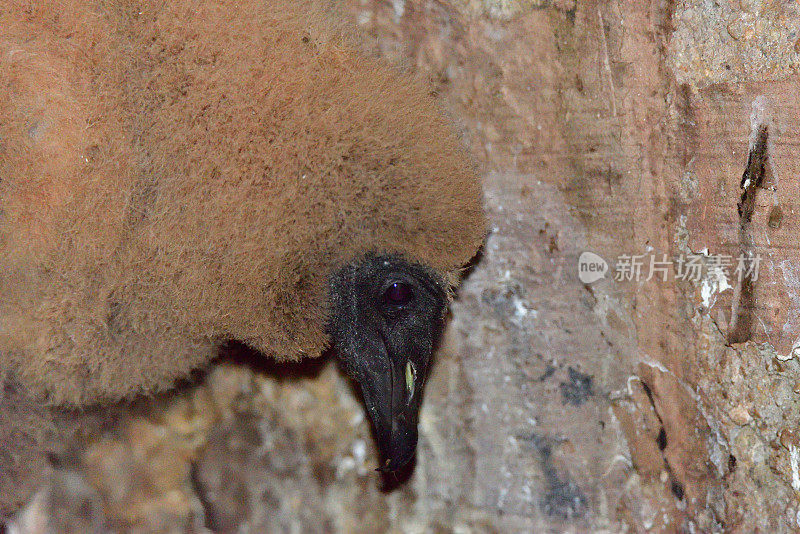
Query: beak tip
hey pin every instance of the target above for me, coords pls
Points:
(398, 462)
(392, 467)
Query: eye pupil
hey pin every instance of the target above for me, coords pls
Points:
(399, 293)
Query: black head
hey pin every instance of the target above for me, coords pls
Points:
(387, 316)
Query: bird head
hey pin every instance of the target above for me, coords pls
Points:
(386, 318)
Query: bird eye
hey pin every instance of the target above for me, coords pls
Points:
(399, 293)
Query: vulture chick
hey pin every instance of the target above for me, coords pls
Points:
(178, 174)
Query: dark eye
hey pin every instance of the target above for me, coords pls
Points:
(399, 293)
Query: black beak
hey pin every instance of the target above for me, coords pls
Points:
(386, 318)
(392, 397)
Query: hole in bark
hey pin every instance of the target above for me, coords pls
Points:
(731, 463)
(662, 439)
(677, 490)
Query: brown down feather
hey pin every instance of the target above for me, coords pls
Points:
(176, 174)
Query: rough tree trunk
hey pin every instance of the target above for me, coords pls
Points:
(613, 127)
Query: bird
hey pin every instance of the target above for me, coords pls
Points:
(179, 174)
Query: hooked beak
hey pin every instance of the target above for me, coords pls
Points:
(386, 319)
(392, 397)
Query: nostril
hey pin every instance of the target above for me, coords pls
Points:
(411, 379)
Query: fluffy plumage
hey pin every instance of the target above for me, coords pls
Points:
(175, 174)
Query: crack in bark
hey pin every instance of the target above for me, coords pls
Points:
(740, 329)
(675, 485)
